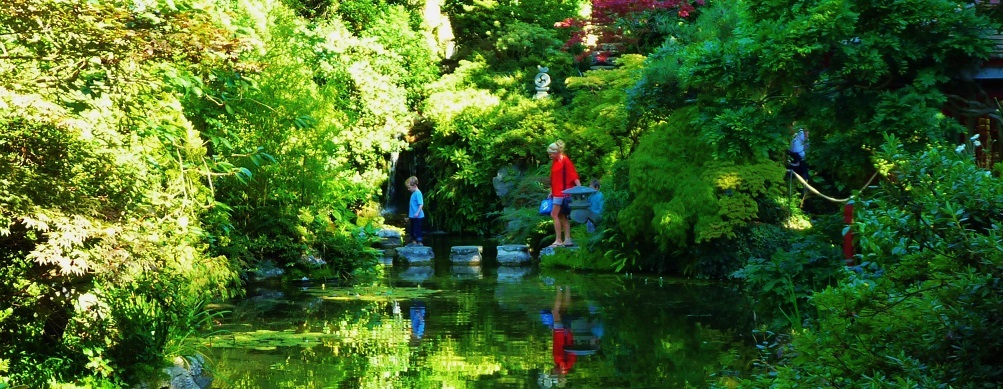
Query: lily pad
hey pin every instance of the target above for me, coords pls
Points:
(370, 293)
(267, 339)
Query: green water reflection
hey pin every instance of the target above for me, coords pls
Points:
(492, 327)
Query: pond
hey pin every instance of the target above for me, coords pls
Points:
(454, 327)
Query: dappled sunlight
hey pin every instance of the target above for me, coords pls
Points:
(798, 222)
(509, 80)
(447, 105)
(728, 181)
(449, 362)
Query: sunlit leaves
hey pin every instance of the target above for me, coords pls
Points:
(312, 131)
(681, 197)
(77, 39)
(104, 179)
(597, 124)
(479, 23)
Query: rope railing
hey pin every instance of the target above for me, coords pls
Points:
(848, 249)
(832, 199)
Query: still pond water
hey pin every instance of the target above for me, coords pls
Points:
(457, 327)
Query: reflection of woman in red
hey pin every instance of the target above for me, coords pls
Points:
(563, 360)
(566, 351)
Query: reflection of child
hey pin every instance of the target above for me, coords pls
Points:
(418, 319)
(416, 211)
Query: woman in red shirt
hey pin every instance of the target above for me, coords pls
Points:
(562, 176)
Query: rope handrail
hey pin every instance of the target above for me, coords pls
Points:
(848, 250)
(832, 199)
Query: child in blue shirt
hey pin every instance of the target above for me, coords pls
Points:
(595, 205)
(415, 213)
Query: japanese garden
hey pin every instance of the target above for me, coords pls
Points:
(215, 193)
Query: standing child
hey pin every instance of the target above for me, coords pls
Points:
(797, 153)
(595, 206)
(416, 213)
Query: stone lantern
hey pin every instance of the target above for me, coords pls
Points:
(542, 81)
(580, 211)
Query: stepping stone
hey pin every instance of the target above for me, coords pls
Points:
(389, 239)
(465, 255)
(389, 243)
(513, 254)
(416, 255)
(386, 261)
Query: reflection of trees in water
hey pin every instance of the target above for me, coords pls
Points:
(670, 334)
(368, 345)
(484, 331)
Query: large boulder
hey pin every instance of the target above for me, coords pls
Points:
(265, 270)
(505, 180)
(549, 250)
(312, 259)
(188, 373)
(390, 238)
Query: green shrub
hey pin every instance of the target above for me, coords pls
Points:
(585, 257)
(781, 283)
(923, 308)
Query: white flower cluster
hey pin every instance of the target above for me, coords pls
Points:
(975, 143)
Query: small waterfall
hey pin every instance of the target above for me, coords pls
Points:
(389, 206)
(414, 165)
(402, 165)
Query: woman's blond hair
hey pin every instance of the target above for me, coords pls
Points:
(556, 147)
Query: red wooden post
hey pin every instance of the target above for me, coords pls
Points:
(848, 238)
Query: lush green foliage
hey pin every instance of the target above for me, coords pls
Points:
(103, 188)
(833, 67)
(923, 308)
(597, 118)
(150, 150)
(680, 197)
(477, 132)
(327, 122)
(138, 141)
(782, 282)
(483, 26)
